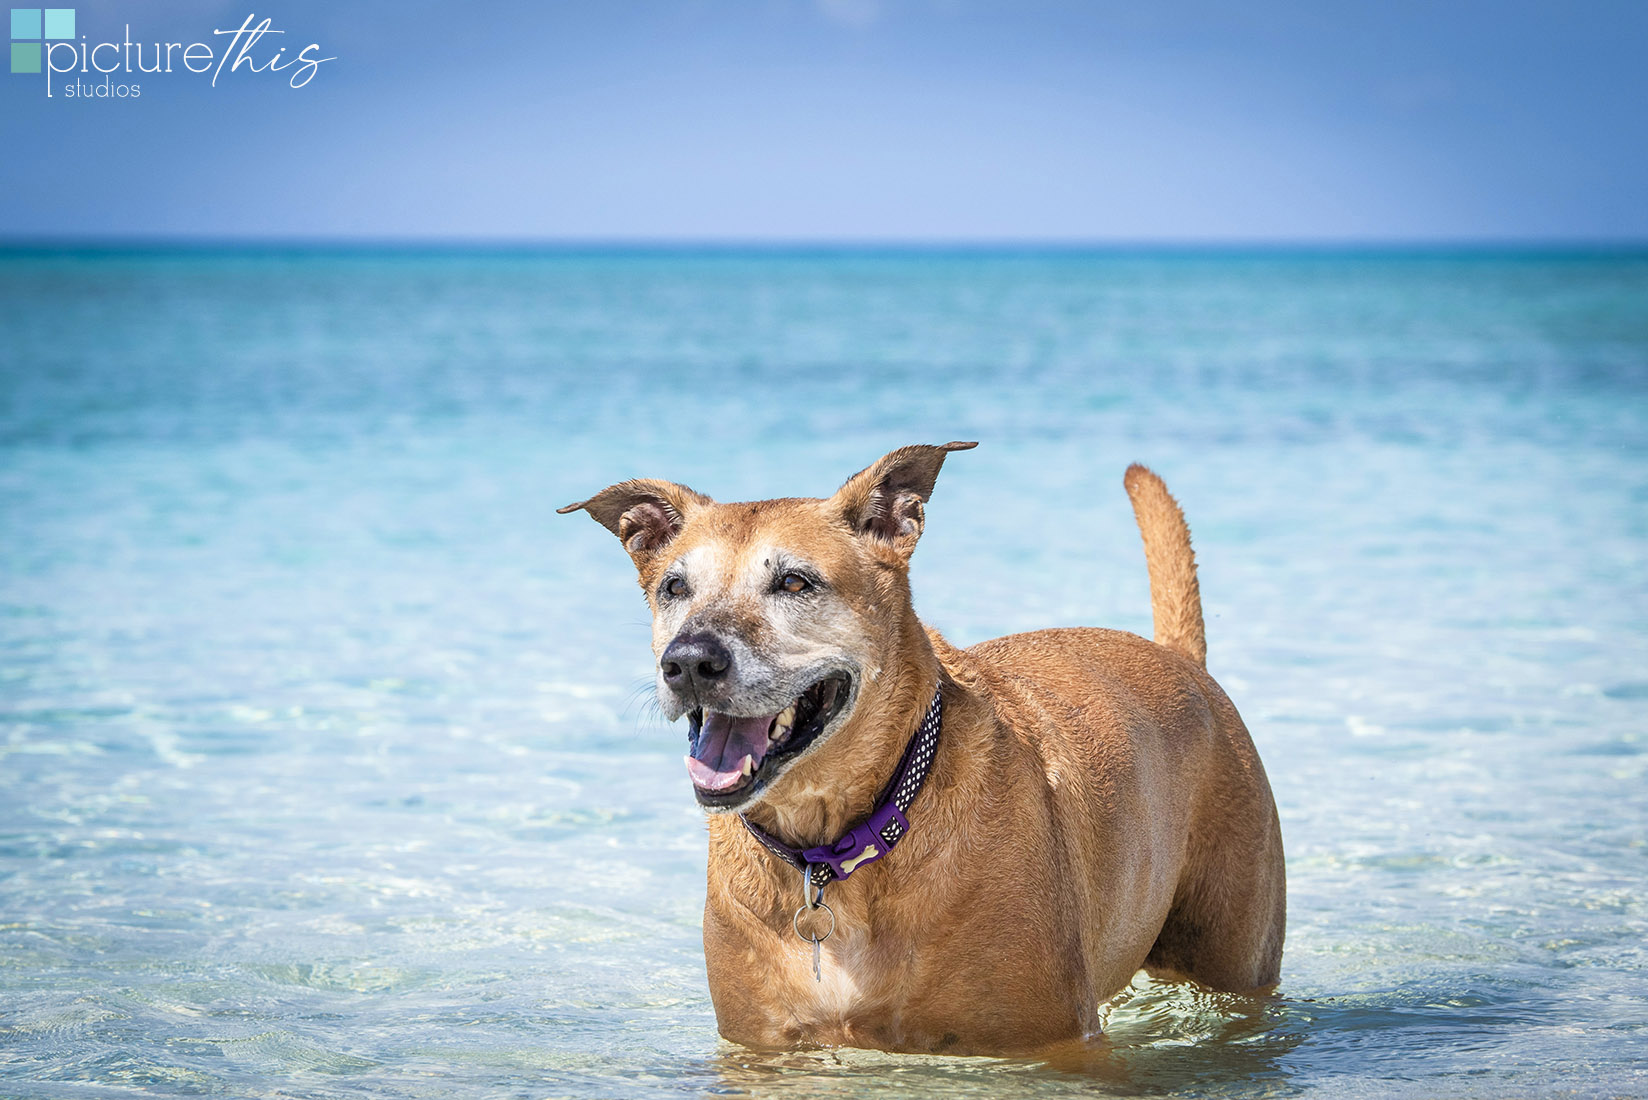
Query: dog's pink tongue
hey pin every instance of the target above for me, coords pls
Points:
(717, 760)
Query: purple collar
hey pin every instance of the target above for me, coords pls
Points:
(874, 837)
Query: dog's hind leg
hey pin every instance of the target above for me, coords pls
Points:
(1229, 915)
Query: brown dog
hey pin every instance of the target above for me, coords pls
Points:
(1094, 805)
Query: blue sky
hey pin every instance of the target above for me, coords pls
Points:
(859, 120)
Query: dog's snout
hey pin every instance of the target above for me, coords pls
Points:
(695, 660)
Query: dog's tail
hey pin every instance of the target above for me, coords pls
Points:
(1175, 598)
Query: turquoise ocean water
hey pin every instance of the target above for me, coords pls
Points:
(326, 761)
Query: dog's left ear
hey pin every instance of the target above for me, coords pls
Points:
(646, 515)
(886, 501)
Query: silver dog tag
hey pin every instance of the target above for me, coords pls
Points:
(816, 940)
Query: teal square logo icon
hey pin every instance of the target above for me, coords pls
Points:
(31, 25)
(25, 23)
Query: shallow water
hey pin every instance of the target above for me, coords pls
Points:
(326, 763)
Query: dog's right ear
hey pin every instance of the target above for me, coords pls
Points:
(646, 514)
(886, 501)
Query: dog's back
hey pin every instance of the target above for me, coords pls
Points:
(1142, 749)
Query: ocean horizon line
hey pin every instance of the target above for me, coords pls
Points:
(46, 245)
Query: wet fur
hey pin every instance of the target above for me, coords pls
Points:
(1096, 804)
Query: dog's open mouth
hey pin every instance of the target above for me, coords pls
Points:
(731, 754)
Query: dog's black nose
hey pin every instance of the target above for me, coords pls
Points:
(694, 659)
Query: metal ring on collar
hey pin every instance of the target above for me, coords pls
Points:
(811, 894)
(795, 923)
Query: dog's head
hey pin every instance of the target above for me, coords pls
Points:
(773, 621)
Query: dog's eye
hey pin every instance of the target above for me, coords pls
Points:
(674, 587)
(792, 583)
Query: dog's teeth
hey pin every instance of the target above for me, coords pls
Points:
(749, 765)
(781, 725)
